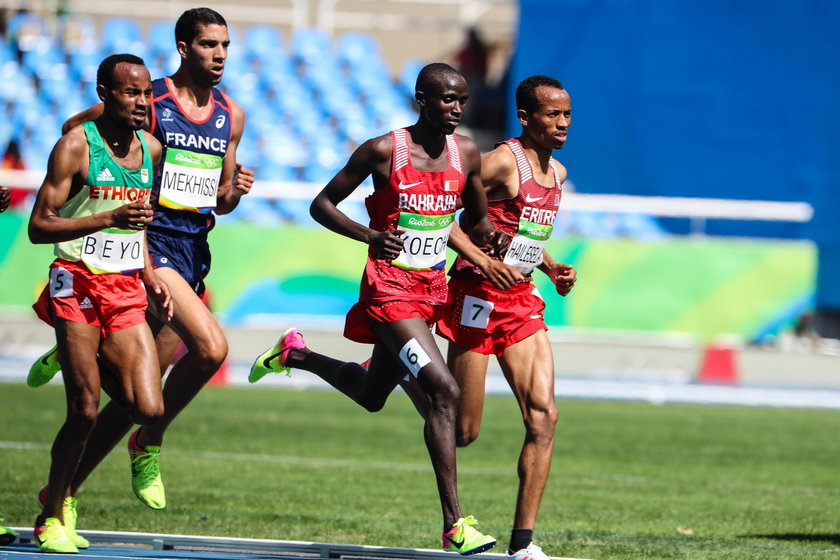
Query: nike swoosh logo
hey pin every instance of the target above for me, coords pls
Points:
(45, 358)
(403, 187)
(529, 199)
(535, 316)
(267, 361)
(456, 543)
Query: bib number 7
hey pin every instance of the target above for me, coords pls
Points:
(476, 312)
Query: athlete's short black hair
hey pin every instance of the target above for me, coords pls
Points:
(526, 91)
(431, 74)
(186, 28)
(105, 73)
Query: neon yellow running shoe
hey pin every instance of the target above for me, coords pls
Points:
(274, 359)
(70, 516)
(145, 473)
(7, 536)
(50, 537)
(465, 539)
(44, 368)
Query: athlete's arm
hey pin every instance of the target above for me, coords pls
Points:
(562, 275)
(474, 199)
(499, 173)
(236, 179)
(501, 275)
(156, 288)
(89, 114)
(66, 169)
(372, 156)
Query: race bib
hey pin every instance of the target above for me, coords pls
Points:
(113, 250)
(414, 357)
(190, 181)
(476, 312)
(526, 247)
(425, 239)
(61, 282)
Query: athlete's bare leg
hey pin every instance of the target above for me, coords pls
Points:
(113, 423)
(128, 352)
(470, 371)
(528, 366)
(370, 388)
(206, 351)
(179, 388)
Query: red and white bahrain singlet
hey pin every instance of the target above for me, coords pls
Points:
(528, 218)
(423, 204)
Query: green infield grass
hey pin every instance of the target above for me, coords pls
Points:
(629, 480)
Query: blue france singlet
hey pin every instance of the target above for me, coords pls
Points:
(187, 180)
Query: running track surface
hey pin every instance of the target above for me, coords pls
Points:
(147, 546)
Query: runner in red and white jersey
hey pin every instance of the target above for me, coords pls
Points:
(418, 174)
(422, 205)
(496, 309)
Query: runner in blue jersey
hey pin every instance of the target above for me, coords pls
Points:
(200, 129)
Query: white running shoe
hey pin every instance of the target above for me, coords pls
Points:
(530, 552)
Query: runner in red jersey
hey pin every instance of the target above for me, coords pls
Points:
(418, 175)
(495, 307)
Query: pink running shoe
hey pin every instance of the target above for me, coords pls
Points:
(274, 359)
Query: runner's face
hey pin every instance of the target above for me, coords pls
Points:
(207, 53)
(548, 124)
(130, 97)
(443, 107)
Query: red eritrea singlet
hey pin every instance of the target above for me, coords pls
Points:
(423, 204)
(528, 218)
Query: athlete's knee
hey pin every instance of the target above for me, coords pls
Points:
(447, 393)
(465, 434)
(149, 414)
(211, 354)
(372, 402)
(82, 412)
(445, 397)
(541, 420)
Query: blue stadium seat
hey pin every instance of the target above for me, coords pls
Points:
(26, 30)
(122, 35)
(264, 42)
(257, 211)
(358, 49)
(312, 46)
(160, 39)
(6, 53)
(84, 63)
(270, 170)
(355, 210)
(316, 173)
(43, 59)
(408, 76)
(76, 32)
